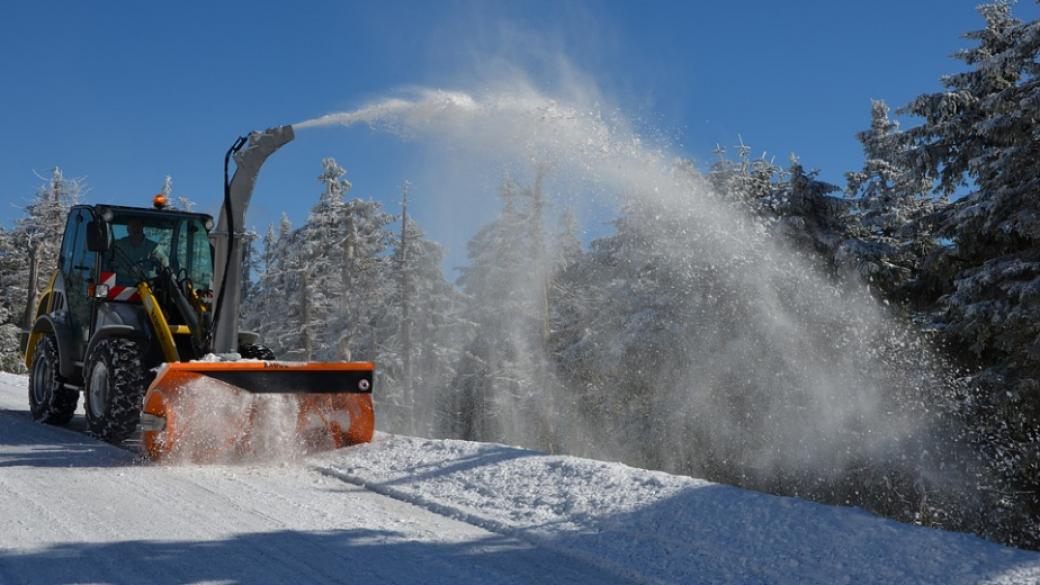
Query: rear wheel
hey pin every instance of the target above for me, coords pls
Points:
(116, 384)
(49, 400)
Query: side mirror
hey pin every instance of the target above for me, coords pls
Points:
(97, 236)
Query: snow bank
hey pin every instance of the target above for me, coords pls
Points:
(659, 528)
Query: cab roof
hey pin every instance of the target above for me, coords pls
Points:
(147, 212)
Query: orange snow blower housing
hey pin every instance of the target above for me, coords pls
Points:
(199, 411)
(129, 319)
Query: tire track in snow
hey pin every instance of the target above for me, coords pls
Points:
(616, 569)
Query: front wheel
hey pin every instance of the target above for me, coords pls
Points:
(50, 401)
(116, 384)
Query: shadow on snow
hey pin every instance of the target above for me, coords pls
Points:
(25, 443)
(343, 556)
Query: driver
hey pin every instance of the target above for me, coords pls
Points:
(133, 250)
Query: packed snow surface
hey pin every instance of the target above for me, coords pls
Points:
(409, 510)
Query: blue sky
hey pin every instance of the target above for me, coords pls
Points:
(124, 93)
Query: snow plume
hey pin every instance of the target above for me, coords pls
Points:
(701, 343)
(430, 104)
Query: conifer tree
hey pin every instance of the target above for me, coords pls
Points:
(418, 332)
(277, 292)
(753, 182)
(407, 300)
(981, 133)
(495, 378)
(12, 294)
(567, 247)
(808, 215)
(28, 256)
(321, 244)
(366, 279)
(893, 211)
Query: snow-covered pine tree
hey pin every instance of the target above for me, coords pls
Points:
(419, 334)
(568, 299)
(167, 188)
(753, 182)
(983, 132)
(250, 265)
(894, 206)
(175, 202)
(621, 316)
(276, 293)
(497, 379)
(366, 278)
(321, 244)
(540, 262)
(808, 215)
(12, 295)
(566, 250)
(267, 254)
(792, 202)
(262, 298)
(332, 273)
(407, 300)
(38, 236)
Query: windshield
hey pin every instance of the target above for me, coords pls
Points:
(141, 244)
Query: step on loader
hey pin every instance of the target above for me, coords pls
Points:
(141, 317)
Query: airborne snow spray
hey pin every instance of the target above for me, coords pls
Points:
(233, 426)
(771, 372)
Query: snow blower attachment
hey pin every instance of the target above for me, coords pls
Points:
(200, 411)
(131, 297)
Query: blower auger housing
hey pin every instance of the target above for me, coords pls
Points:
(141, 300)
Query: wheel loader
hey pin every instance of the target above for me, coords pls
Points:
(141, 317)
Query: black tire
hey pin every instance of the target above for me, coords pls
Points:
(256, 352)
(50, 401)
(116, 382)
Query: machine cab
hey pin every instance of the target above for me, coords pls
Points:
(134, 243)
(105, 252)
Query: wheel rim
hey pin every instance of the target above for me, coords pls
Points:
(99, 390)
(42, 375)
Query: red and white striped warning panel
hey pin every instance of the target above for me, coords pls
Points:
(118, 292)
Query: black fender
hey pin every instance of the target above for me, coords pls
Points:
(66, 356)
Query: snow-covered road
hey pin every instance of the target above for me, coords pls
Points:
(405, 510)
(73, 510)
